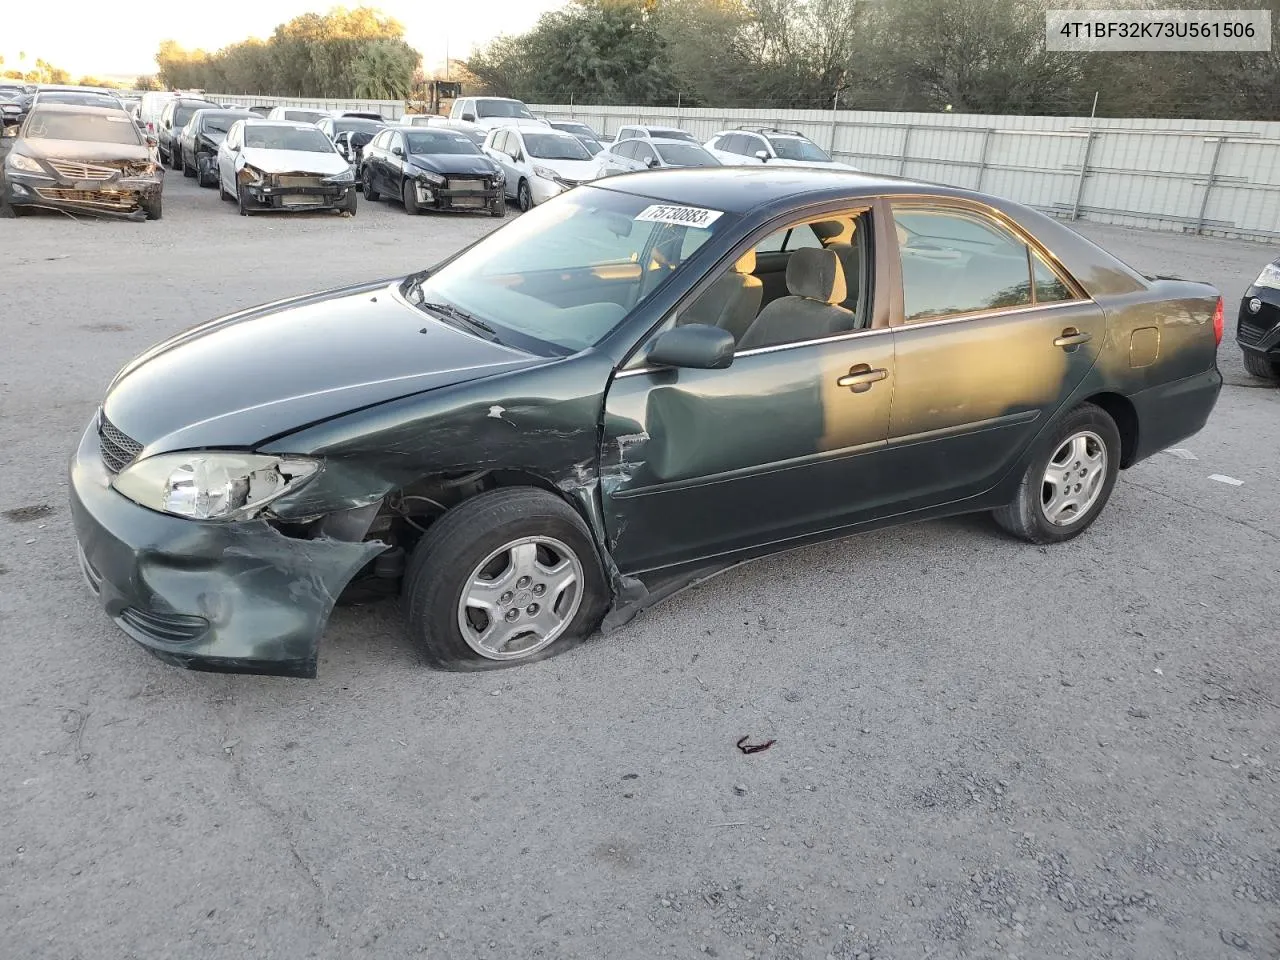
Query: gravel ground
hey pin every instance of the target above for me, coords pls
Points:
(984, 749)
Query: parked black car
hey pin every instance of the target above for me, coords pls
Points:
(631, 387)
(173, 118)
(1258, 325)
(198, 143)
(85, 160)
(432, 169)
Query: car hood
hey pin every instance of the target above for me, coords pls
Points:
(293, 161)
(243, 379)
(43, 149)
(570, 169)
(524, 123)
(214, 136)
(454, 163)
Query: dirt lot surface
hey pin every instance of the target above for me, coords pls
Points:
(984, 749)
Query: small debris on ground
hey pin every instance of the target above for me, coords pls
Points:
(1221, 478)
(746, 747)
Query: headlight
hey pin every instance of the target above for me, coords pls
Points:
(433, 178)
(344, 177)
(212, 485)
(545, 173)
(498, 175)
(1269, 277)
(251, 175)
(21, 162)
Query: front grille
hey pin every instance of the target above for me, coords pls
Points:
(75, 170)
(1251, 331)
(167, 627)
(467, 185)
(118, 450)
(111, 199)
(295, 181)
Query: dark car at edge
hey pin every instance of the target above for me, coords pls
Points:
(633, 387)
(82, 159)
(1258, 324)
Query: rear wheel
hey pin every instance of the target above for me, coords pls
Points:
(507, 577)
(1068, 482)
(1260, 367)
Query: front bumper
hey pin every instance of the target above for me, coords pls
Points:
(236, 597)
(1259, 332)
(274, 196)
(465, 198)
(120, 196)
(543, 189)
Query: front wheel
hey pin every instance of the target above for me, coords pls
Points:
(410, 197)
(369, 192)
(222, 190)
(242, 198)
(508, 577)
(499, 207)
(188, 170)
(524, 197)
(1068, 482)
(153, 208)
(1260, 367)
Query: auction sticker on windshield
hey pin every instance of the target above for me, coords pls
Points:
(681, 216)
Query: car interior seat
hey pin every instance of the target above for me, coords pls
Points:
(732, 301)
(816, 288)
(840, 236)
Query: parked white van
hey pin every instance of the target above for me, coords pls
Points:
(153, 104)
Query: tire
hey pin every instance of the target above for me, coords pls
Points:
(175, 159)
(242, 200)
(454, 551)
(154, 208)
(187, 171)
(1260, 367)
(8, 211)
(1027, 517)
(350, 205)
(222, 191)
(524, 197)
(410, 199)
(499, 207)
(203, 181)
(367, 182)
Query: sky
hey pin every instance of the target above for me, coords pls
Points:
(125, 43)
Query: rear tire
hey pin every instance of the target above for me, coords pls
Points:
(440, 585)
(1260, 367)
(1065, 479)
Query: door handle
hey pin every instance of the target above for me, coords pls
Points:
(861, 376)
(1071, 337)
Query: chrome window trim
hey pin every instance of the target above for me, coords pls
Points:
(775, 348)
(984, 314)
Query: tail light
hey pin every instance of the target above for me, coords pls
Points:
(1217, 323)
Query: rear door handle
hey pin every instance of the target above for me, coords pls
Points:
(1071, 337)
(861, 376)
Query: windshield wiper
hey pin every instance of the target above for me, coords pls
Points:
(454, 313)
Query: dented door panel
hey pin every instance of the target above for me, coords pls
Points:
(697, 463)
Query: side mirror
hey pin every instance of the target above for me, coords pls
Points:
(762, 156)
(469, 117)
(651, 162)
(153, 140)
(398, 151)
(343, 151)
(695, 345)
(10, 130)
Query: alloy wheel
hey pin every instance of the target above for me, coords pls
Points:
(1073, 478)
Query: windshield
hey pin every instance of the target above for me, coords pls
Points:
(795, 148)
(304, 116)
(219, 122)
(266, 137)
(422, 142)
(88, 127)
(593, 145)
(685, 155)
(563, 276)
(183, 111)
(502, 108)
(553, 146)
(577, 129)
(356, 124)
(663, 133)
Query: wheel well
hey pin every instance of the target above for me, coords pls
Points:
(1121, 410)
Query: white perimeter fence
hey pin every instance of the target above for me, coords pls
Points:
(1212, 177)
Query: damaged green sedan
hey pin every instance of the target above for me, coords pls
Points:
(632, 387)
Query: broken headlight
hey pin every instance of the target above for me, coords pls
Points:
(428, 176)
(346, 176)
(212, 485)
(251, 176)
(1269, 277)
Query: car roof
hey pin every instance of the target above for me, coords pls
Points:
(79, 108)
(670, 141)
(253, 120)
(742, 189)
